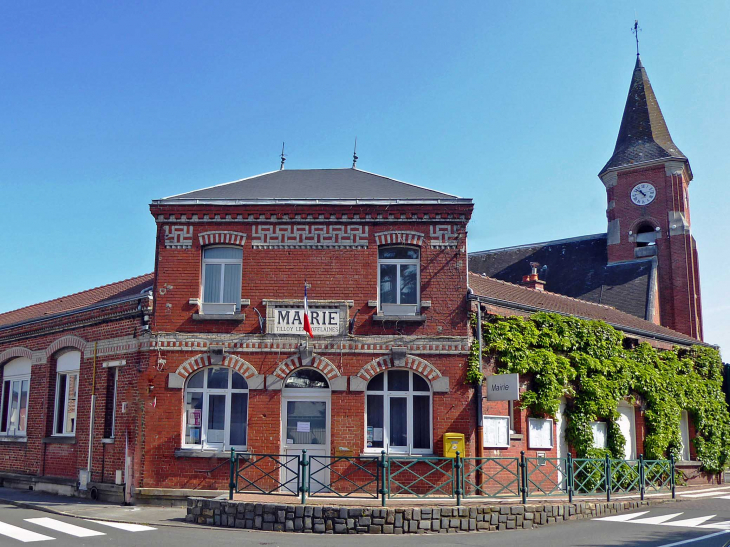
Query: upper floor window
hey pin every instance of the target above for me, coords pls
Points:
(67, 392)
(216, 409)
(14, 397)
(222, 280)
(399, 280)
(399, 412)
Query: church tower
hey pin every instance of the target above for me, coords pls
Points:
(647, 181)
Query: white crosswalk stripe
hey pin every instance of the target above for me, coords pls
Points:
(124, 526)
(65, 527)
(21, 534)
(669, 520)
(706, 493)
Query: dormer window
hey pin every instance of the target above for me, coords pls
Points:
(222, 280)
(399, 280)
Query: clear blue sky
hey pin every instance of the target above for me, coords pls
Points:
(108, 105)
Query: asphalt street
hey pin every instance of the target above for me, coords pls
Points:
(701, 522)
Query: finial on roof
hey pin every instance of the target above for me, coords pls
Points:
(354, 155)
(283, 157)
(635, 32)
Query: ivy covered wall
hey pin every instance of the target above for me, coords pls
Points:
(587, 362)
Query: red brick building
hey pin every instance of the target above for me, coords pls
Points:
(208, 354)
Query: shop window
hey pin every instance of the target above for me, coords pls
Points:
(398, 410)
(399, 280)
(67, 391)
(216, 409)
(14, 397)
(222, 280)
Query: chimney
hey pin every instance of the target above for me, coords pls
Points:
(531, 281)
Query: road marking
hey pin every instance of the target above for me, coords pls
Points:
(722, 498)
(26, 536)
(65, 527)
(706, 494)
(724, 525)
(623, 518)
(701, 538)
(124, 526)
(656, 520)
(713, 489)
(688, 523)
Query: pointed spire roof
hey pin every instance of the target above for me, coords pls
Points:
(643, 135)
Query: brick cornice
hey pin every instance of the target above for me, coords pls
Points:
(15, 352)
(412, 362)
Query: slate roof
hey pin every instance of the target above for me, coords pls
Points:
(643, 135)
(576, 267)
(314, 184)
(77, 301)
(515, 295)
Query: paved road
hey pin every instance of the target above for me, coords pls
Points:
(702, 522)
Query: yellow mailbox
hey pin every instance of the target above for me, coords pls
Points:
(453, 443)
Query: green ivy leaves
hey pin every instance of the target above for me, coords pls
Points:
(586, 362)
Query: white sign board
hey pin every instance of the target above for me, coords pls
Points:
(496, 431)
(503, 387)
(540, 433)
(290, 320)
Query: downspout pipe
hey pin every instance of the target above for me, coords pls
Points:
(478, 389)
(91, 417)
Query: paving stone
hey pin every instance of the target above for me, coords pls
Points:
(388, 529)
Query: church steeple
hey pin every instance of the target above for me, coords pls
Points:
(643, 136)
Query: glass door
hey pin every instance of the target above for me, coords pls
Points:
(306, 427)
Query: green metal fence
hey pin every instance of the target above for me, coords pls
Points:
(388, 476)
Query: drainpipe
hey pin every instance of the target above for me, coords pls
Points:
(91, 417)
(478, 389)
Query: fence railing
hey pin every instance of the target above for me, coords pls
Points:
(388, 476)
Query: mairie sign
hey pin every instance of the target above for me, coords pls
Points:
(290, 320)
(503, 387)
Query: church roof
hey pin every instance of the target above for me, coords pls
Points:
(643, 135)
(509, 295)
(577, 267)
(314, 184)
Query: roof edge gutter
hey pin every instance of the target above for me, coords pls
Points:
(74, 312)
(289, 201)
(631, 330)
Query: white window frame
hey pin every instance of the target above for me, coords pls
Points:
(204, 444)
(11, 378)
(114, 400)
(532, 442)
(225, 308)
(398, 308)
(66, 365)
(408, 395)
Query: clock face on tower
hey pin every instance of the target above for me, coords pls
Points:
(643, 193)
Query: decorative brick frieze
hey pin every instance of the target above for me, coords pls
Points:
(66, 342)
(12, 353)
(230, 238)
(113, 346)
(203, 360)
(178, 237)
(399, 236)
(309, 236)
(317, 361)
(444, 235)
(412, 362)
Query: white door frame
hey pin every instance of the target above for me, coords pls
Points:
(305, 394)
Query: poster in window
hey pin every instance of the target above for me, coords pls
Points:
(195, 417)
(541, 433)
(370, 436)
(496, 431)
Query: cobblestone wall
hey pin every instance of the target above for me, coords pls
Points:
(396, 520)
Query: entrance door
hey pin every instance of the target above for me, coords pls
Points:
(627, 424)
(306, 427)
(561, 426)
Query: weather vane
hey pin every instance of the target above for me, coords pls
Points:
(283, 157)
(635, 32)
(354, 155)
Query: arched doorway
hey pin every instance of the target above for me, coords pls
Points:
(305, 423)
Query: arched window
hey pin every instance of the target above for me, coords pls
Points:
(14, 397)
(67, 392)
(645, 235)
(399, 280)
(222, 280)
(398, 410)
(306, 378)
(216, 409)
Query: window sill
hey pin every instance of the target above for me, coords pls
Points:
(205, 453)
(60, 439)
(516, 437)
(379, 318)
(219, 317)
(13, 439)
(107, 440)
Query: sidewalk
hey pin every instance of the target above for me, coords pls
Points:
(88, 509)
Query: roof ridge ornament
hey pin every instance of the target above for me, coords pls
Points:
(354, 156)
(283, 157)
(635, 31)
